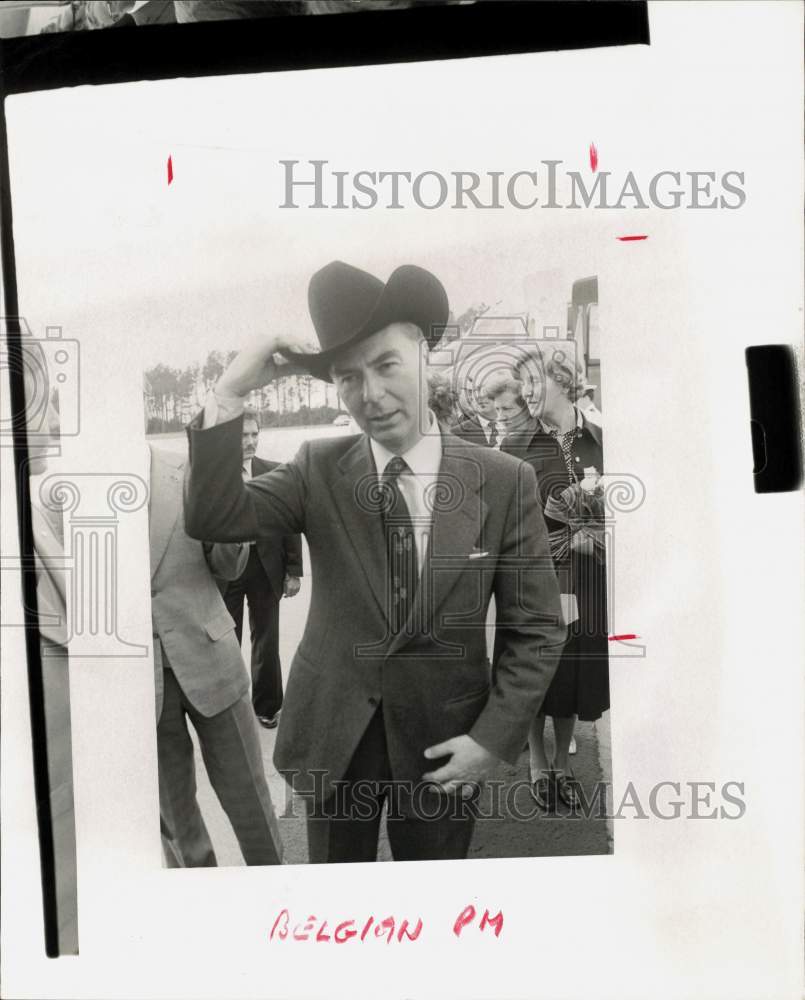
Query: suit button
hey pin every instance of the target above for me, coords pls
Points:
(372, 701)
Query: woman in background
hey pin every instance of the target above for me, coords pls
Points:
(566, 449)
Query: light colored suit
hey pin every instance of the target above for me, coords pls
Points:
(200, 675)
(51, 602)
(189, 618)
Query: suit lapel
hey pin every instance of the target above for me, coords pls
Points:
(261, 465)
(166, 481)
(458, 517)
(356, 496)
(593, 430)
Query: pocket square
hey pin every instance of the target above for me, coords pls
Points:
(475, 554)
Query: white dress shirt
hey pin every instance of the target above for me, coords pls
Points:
(486, 427)
(416, 486)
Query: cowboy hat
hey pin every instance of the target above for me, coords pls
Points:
(347, 305)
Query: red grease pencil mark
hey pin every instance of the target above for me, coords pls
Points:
(628, 239)
(593, 157)
(170, 169)
(627, 635)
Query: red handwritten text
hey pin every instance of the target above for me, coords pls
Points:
(469, 913)
(388, 929)
(314, 929)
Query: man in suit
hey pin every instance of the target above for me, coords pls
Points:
(273, 571)
(504, 390)
(411, 532)
(200, 676)
(480, 427)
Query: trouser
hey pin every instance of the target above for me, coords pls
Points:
(231, 751)
(346, 827)
(264, 625)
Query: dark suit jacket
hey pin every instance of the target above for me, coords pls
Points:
(580, 574)
(543, 453)
(278, 558)
(470, 429)
(487, 536)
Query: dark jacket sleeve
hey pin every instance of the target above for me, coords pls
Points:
(529, 628)
(291, 544)
(292, 549)
(220, 507)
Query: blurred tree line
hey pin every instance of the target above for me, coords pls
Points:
(172, 396)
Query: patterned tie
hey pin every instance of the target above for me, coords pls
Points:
(493, 434)
(400, 545)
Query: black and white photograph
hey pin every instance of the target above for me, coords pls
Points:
(424, 675)
(387, 478)
(33, 17)
(395, 660)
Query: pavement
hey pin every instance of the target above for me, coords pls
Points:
(514, 829)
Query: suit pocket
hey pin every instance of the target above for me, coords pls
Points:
(219, 625)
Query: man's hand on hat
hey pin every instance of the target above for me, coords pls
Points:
(259, 364)
(469, 765)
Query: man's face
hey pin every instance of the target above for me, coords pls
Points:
(511, 410)
(382, 382)
(251, 432)
(485, 406)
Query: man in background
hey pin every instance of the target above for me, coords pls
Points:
(505, 392)
(200, 677)
(479, 427)
(273, 571)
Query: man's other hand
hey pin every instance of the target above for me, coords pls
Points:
(291, 586)
(469, 765)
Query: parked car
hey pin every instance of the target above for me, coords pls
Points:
(342, 420)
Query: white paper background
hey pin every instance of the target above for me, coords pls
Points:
(706, 572)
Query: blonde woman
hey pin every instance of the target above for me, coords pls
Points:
(565, 445)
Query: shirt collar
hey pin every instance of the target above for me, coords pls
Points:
(552, 430)
(423, 459)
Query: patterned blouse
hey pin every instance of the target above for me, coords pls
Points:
(566, 444)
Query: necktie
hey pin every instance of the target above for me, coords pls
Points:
(493, 434)
(400, 545)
